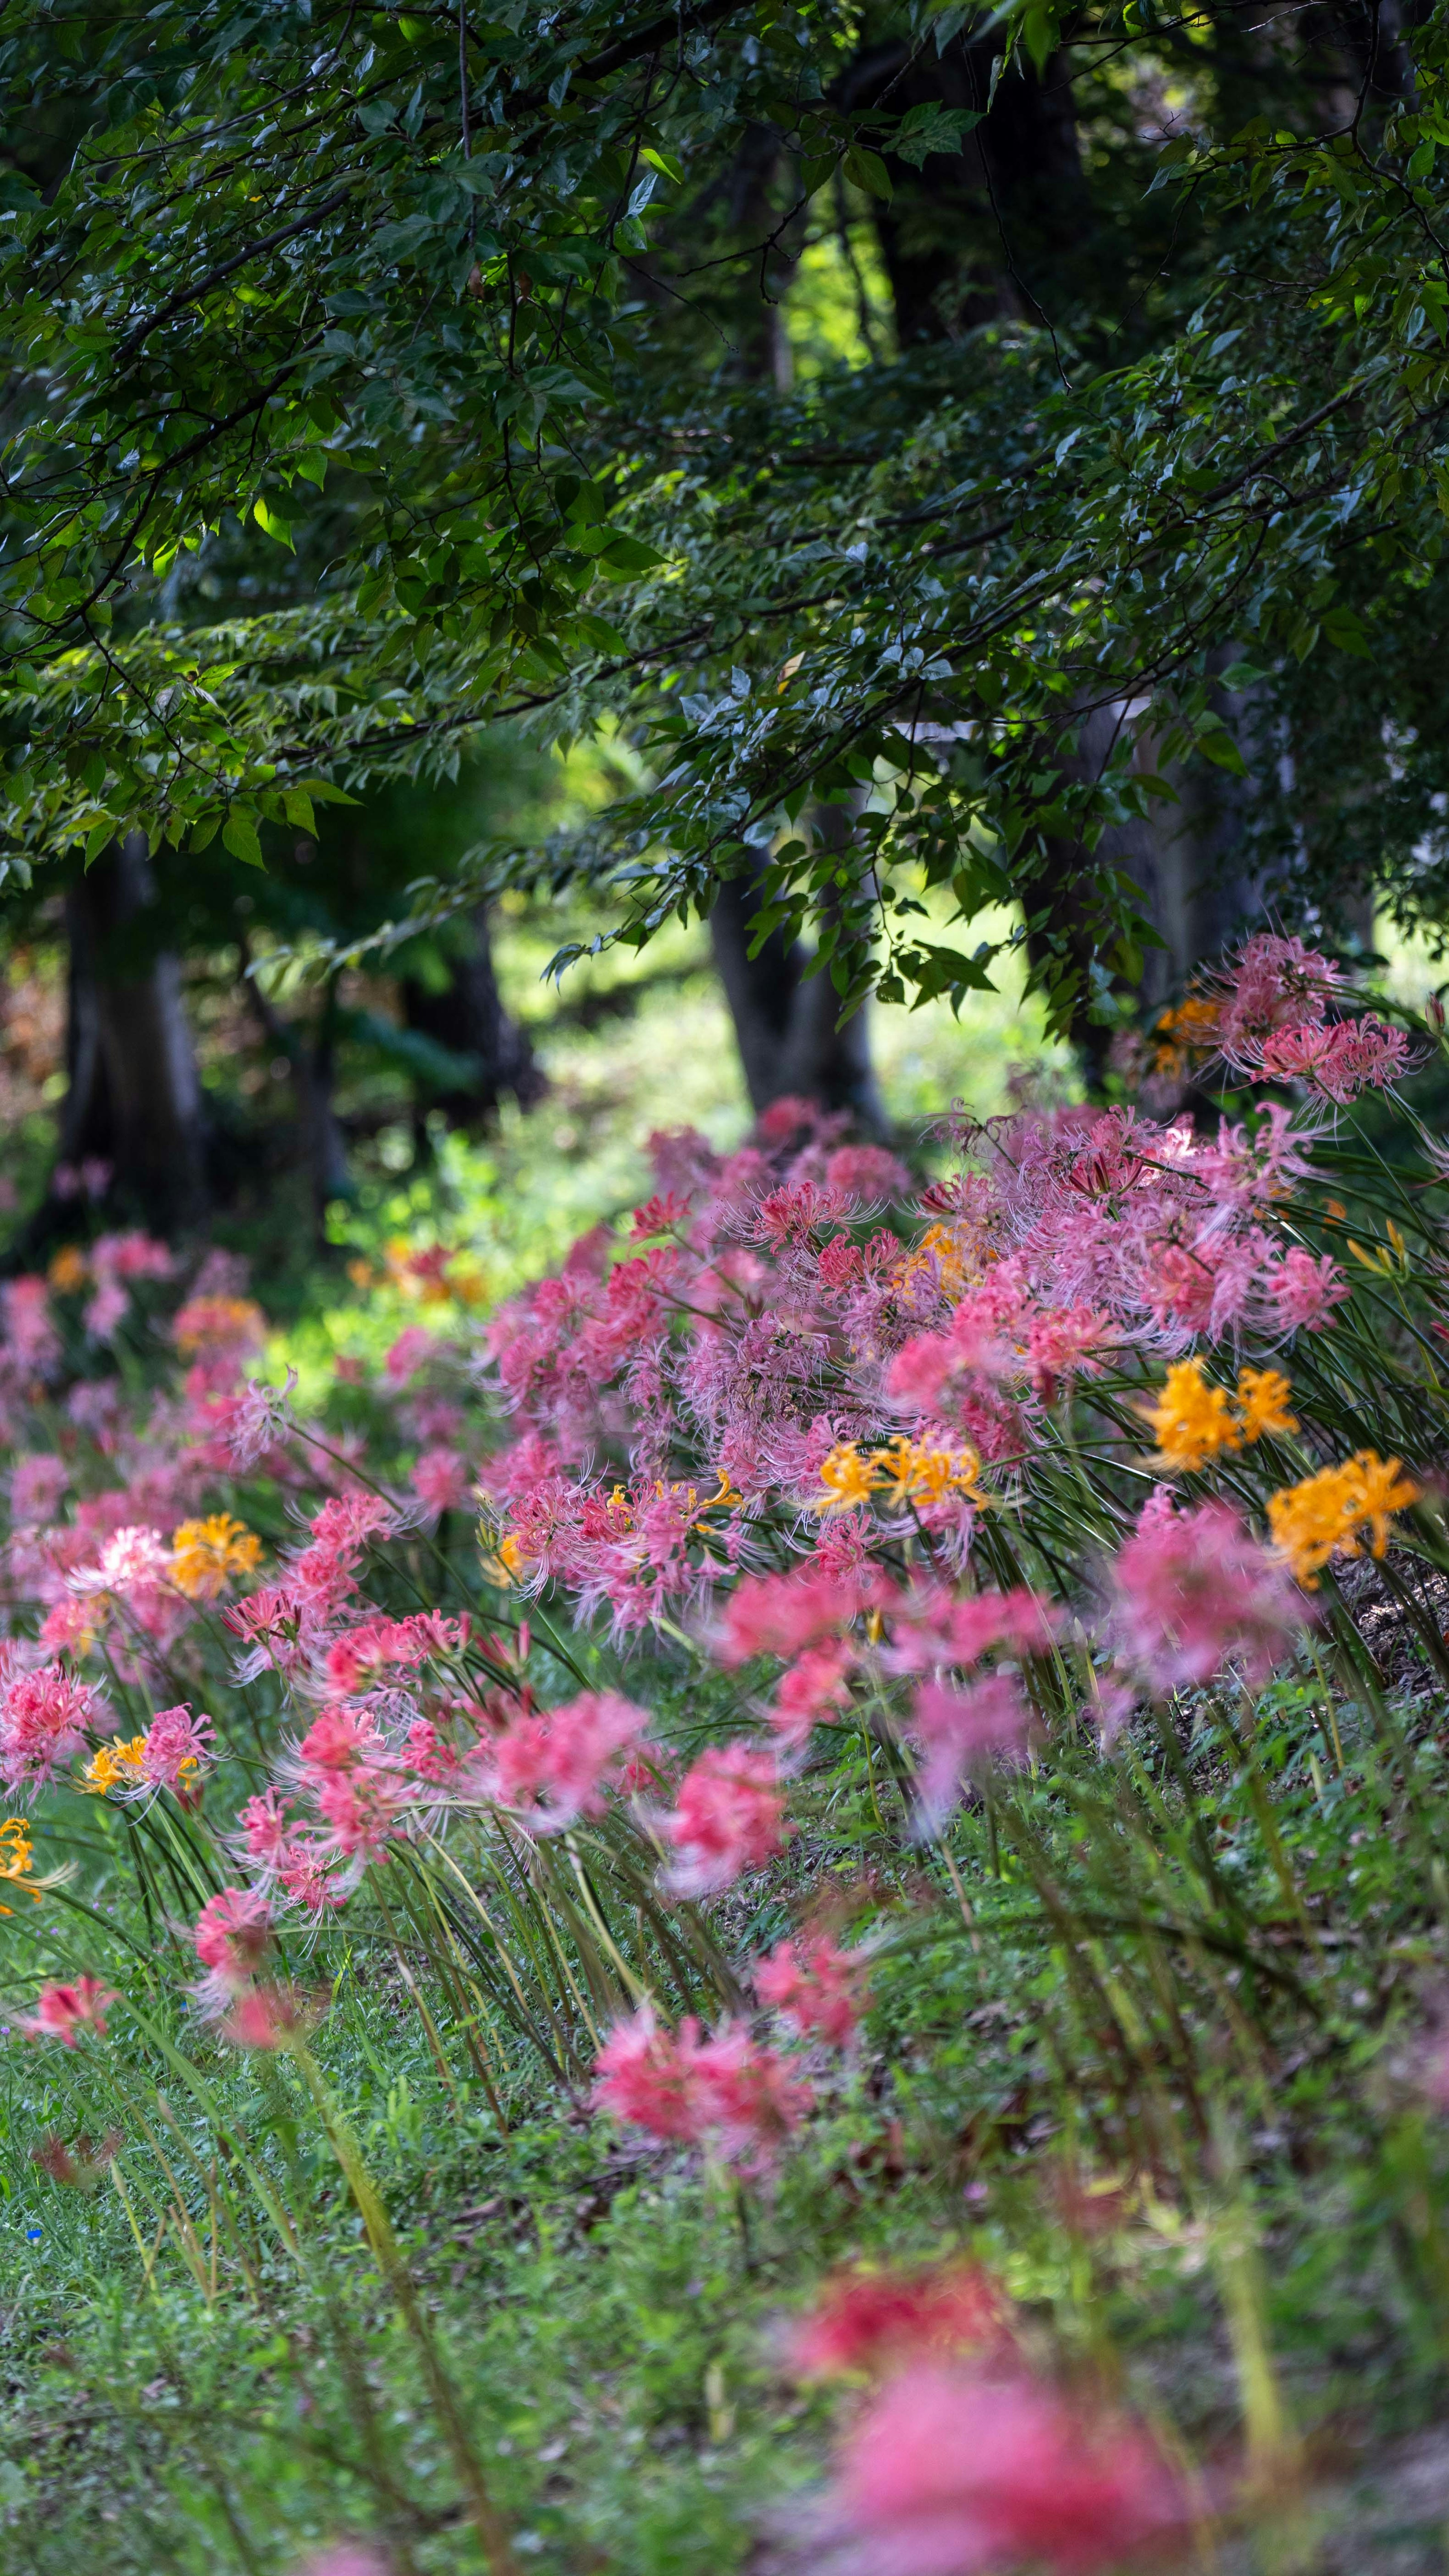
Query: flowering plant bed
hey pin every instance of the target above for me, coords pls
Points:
(722, 1914)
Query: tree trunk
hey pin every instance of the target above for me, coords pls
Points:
(469, 1019)
(134, 1099)
(785, 1026)
(990, 232)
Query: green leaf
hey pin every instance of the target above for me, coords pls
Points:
(661, 162)
(239, 835)
(865, 169)
(297, 805)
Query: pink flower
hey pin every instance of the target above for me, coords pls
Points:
(1306, 1289)
(412, 1348)
(1338, 1060)
(269, 2017)
(677, 2086)
(257, 1421)
(960, 1731)
(879, 2320)
(948, 2474)
(551, 1766)
(1192, 1590)
(231, 1937)
(727, 1817)
(779, 1614)
(815, 1689)
(132, 1562)
(176, 1743)
(645, 2076)
(364, 1811)
(440, 1479)
(37, 1482)
(867, 1172)
(813, 1986)
(128, 1256)
(63, 2012)
(750, 2101)
(31, 1339)
(106, 1310)
(44, 1717)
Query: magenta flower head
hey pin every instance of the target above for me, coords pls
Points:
(231, 1936)
(728, 1817)
(1194, 1591)
(949, 2473)
(63, 2012)
(813, 1986)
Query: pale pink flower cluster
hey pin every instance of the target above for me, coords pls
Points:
(1193, 1591)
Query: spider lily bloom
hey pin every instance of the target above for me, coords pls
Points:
(1193, 1591)
(675, 2085)
(176, 1746)
(205, 1555)
(551, 1766)
(948, 2473)
(727, 1818)
(271, 2017)
(63, 2012)
(961, 1732)
(645, 2076)
(231, 1936)
(813, 1986)
(44, 1717)
(1305, 1289)
(1339, 1512)
(878, 2321)
(16, 1855)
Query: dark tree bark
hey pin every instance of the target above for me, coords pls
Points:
(976, 236)
(785, 1026)
(469, 1019)
(312, 1060)
(134, 1100)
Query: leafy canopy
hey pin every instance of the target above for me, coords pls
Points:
(375, 297)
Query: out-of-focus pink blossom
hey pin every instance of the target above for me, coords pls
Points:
(1193, 1591)
(231, 1937)
(867, 1172)
(878, 2321)
(411, 1351)
(130, 1256)
(781, 1614)
(728, 1816)
(270, 2017)
(962, 1730)
(106, 1311)
(551, 1767)
(949, 2473)
(813, 1986)
(751, 2101)
(441, 1479)
(37, 1481)
(1305, 1289)
(645, 2076)
(44, 1717)
(63, 2012)
(728, 2089)
(132, 1562)
(258, 1421)
(31, 1340)
(815, 1690)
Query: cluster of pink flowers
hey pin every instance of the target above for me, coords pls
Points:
(961, 2460)
(727, 2091)
(1194, 1591)
(1271, 1022)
